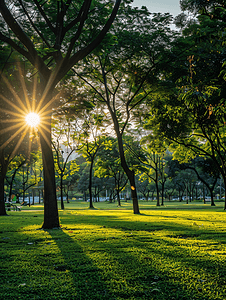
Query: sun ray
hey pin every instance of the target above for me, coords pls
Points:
(46, 122)
(45, 116)
(13, 136)
(13, 105)
(46, 113)
(49, 84)
(10, 112)
(43, 126)
(24, 88)
(41, 110)
(44, 135)
(29, 144)
(34, 94)
(19, 143)
(12, 120)
(2, 131)
(23, 103)
(24, 108)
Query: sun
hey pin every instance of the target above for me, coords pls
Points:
(32, 119)
(26, 113)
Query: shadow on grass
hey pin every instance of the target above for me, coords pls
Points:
(88, 281)
(106, 270)
(176, 258)
(115, 259)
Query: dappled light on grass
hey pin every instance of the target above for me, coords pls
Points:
(110, 254)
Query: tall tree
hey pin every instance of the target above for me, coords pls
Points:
(206, 171)
(53, 36)
(108, 165)
(64, 144)
(191, 115)
(123, 74)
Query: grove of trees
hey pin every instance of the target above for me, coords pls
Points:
(129, 106)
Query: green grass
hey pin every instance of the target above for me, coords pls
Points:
(173, 252)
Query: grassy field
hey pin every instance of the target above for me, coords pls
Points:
(173, 252)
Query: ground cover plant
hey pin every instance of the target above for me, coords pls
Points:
(172, 252)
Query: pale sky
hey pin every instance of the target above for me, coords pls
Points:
(163, 6)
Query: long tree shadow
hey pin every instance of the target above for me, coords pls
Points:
(88, 281)
(172, 248)
(191, 229)
(131, 268)
(121, 274)
(116, 261)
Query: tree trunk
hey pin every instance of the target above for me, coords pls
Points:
(157, 187)
(2, 200)
(212, 201)
(162, 194)
(90, 185)
(118, 197)
(204, 197)
(157, 194)
(66, 191)
(51, 218)
(61, 191)
(224, 179)
(11, 183)
(130, 173)
(131, 177)
(33, 197)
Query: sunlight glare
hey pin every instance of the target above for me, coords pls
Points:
(32, 119)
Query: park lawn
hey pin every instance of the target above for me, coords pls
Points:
(144, 205)
(110, 253)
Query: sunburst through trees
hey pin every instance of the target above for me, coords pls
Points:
(32, 119)
(21, 115)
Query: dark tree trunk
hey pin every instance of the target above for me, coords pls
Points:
(66, 191)
(131, 177)
(2, 200)
(11, 183)
(12, 179)
(212, 201)
(61, 191)
(51, 218)
(162, 203)
(157, 192)
(204, 197)
(3, 170)
(224, 179)
(130, 174)
(157, 187)
(90, 185)
(33, 197)
(118, 198)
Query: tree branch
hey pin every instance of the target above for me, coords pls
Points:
(83, 16)
(32, 56)
(88, 49)
(33, 25)
(42, 12)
